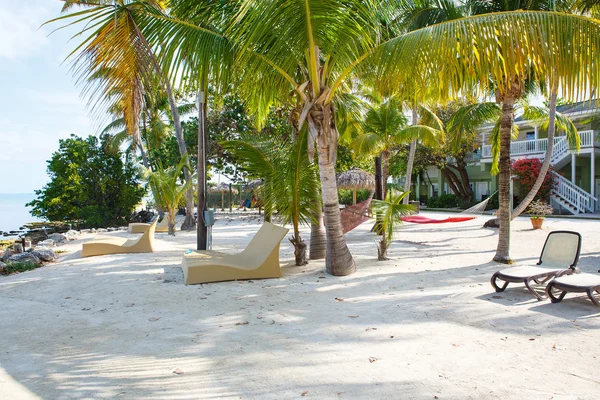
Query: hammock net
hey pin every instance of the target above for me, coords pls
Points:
(353, 216)
(477, 209)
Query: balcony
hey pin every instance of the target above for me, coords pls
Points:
(537, 147)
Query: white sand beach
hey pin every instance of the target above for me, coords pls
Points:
(424, 325)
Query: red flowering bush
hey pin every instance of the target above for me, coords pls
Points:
(526, 171)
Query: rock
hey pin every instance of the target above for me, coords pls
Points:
(2, 268)
(143, 216)
(58, 238)
(47, 243)
(72, 235)
(45, 255)
(7, 254)
(101, 230)
(18, 247)
(492, 223)
(25, 257)
(112, 229)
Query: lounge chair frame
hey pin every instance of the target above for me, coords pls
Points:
(565, 287)
(542, 277)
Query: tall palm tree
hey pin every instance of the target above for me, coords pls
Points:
(117, 45)
(504, 50)
(385, 127)
(316, 50)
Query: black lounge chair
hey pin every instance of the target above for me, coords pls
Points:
(559, 257)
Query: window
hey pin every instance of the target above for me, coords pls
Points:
(530, 136)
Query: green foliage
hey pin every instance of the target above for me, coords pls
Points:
(290, 184)
(14, 267)
(539, 209)
(167, 192)
(443, 201)
(389, 218)
(89, 185)
(345, 196)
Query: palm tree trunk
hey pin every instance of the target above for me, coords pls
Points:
(338, 260)
(299, 245)
(385, 163)
(144, 155)
(547, 157)
(318, 238)
(411, 158)
(382, 249)
(506, 122)
(188, 223)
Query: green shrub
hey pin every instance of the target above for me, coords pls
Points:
(443, 201)
(346, 196)
(12, 267)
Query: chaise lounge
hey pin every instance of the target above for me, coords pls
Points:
(559, 257)
(579, 283)
(140, 227)
(259, 260)
(143, 244)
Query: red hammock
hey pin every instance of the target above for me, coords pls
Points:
(418, 219)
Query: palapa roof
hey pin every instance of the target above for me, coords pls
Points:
(223, 187)
(357, 179)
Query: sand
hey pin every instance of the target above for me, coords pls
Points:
(424, 325)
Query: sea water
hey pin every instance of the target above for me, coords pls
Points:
(13, 212)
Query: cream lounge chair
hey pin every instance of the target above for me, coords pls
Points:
(559, 257)
(578, 283)
(140, 227)
(143, 244)
(259, 260)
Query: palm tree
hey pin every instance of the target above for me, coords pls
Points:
(317, 49)
(168, 194)
(504, 50)
(548, 119)
(390, 213)
(117, 47)
(385, 127)
(289, 180)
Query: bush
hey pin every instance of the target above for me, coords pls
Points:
(527, 171)
(493, 203)
(346, 196)
(443, 201)
(89, 183)
(13, 267)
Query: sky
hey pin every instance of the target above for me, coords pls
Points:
(40, 102)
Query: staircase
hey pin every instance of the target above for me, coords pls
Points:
(566, 194)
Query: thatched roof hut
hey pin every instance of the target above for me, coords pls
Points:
(356, 179)
(223, 188)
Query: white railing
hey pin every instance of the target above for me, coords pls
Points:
(587, 138)
(560, 149)
(573, 194)
(537, 146)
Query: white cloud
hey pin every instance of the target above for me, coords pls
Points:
(19, 29)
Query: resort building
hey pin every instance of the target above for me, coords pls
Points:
(577, 174)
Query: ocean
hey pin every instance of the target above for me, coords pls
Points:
(13, 213)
